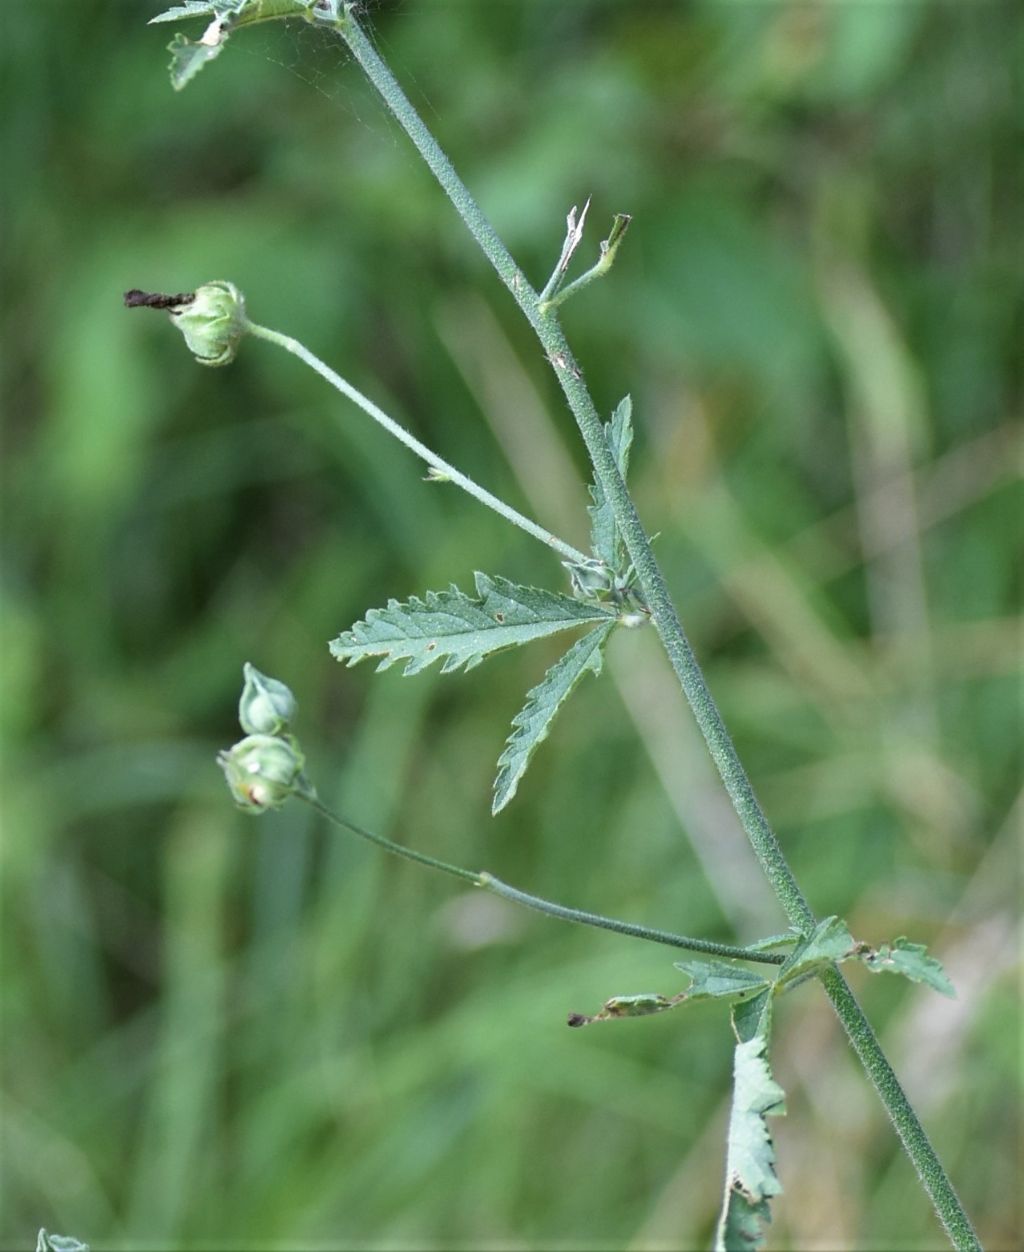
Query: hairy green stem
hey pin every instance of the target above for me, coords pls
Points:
(545, 323)
(912, 1134)
(432, 459)
(489, 883)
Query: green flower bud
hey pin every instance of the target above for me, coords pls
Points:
(262, 771)
(213, 323)
(266, 706)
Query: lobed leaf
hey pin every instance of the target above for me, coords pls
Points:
(912, 961)
(461, 629)
(532, 723)
(604, 533)
(828, 942)
(189, 8)
(189, 56)
(716, 979)
(750, 1178)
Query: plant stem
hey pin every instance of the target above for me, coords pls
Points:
(649, 575)
(432, 459)
(655, 591)
(489, 883)
(912, 1134)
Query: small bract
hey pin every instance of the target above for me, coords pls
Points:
(266, 706)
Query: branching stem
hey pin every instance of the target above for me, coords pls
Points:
(448, 472)
(543, 318)
(489, 883)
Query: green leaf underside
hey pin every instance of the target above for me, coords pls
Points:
(532, 723)
(741, 1227)
(750, 1178)
(460, 629)
(188, 58)
(910, 960)
(45, 1242)
(753, 1016)
(831, 942)
(828, 942)
(604, 533)
(714, 979)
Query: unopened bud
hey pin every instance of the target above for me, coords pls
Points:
(213, 323)
(266, 706)
(262, 771)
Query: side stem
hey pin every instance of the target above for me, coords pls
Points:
(432, 459)
(489, 883)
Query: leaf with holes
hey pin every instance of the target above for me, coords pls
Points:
(460, 629)
(532, 723)
(750, 1178)
(912, 961)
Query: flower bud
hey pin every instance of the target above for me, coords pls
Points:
(262, 771)
(213, 323)
(266, 706)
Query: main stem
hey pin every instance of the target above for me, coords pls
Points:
(652, 583)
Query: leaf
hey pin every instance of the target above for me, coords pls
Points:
(453, 625)
(532, 723)
(188, 57)
(190, 8)
(912, 961)
(750, 1178)
(45, 1242)
(604, 533)
(715, 979)
(643, 1005)
(828, 942)
(741, 1227)
(753, 1016)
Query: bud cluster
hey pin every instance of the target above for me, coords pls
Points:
(264, 769)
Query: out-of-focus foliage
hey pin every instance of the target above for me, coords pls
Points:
(219, 1032)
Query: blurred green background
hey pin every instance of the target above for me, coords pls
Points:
(221, 1033)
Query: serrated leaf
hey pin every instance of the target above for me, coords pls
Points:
(188, 57)
(461, 629)
(828, 942)
(189, 8)
(750, 1178)
(912, 961)
(45, 1242)
(715, 979)
(753, 1016)
(604, 533)
(532, 723)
